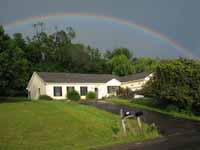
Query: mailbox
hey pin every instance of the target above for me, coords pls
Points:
(138, 114)
(131, 113)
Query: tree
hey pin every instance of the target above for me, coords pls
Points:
(120, 65)
(19, 40)
(176, 82)
(13, 72)
(4, 39)
(71, 33)
(145, 64)
(119, 51)
(96, 63)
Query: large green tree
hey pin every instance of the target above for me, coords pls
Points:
(4, 39)
(118, 51)
(121, 65)
(176, 82)
(145, 64)
(13, 72)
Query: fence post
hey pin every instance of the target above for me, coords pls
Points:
(139, 122)
(123, 121)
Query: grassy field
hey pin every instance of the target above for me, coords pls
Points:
(60, 125)
(149, 104)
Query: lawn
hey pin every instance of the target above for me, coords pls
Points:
(61, 125)
(150, 104)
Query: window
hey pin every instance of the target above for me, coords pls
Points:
(113, 89)
(70, 88)
(83, 91)
(57, 90)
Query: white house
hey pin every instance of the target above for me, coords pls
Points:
(56, 85)
(136, 81)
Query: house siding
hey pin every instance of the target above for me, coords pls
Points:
(34, 85)
(47, 88)
(102, 88)
(90, 87)
(136, 84)
(133, 85)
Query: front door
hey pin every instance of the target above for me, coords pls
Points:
(96, 91)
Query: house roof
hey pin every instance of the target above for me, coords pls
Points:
(75, 77)
(133, 77)
(86, 78)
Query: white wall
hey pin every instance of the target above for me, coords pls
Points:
(90, 86)
(113, 82)
(133, 85)
(34, 85)
(102, 88)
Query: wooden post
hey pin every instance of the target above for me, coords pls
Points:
(124, 126)
(121, 113)
(139, 122)
(123, 121)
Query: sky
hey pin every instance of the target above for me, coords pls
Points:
(158, 28)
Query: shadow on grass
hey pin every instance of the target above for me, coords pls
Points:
(13, 99)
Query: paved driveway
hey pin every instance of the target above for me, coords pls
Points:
(178, 134)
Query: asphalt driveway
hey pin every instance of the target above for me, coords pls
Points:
(178, 134)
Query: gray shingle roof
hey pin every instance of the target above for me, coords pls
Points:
(136, 76)
(86, 78)
(75, 77)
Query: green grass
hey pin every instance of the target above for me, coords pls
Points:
(60, 125)
(150, 104)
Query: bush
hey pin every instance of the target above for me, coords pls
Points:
(172, 108)
(45, 97)
(73, 95)
(91, 95)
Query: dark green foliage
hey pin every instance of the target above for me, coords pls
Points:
(45, 97)
(73, 95)
(91, 95)
(176, 82)
(119, 51)
(145, 64)
(4, 40)
(172, 108)
(13, 71)
(125, 93)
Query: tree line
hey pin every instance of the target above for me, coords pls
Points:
(176, 85)
(21, 56)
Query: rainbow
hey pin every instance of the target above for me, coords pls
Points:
(113, 19)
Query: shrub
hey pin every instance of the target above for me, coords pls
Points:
(45, 97)
(91, 95)
(172, 108)
(73, 95)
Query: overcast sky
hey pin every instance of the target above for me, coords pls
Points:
(176, 19)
